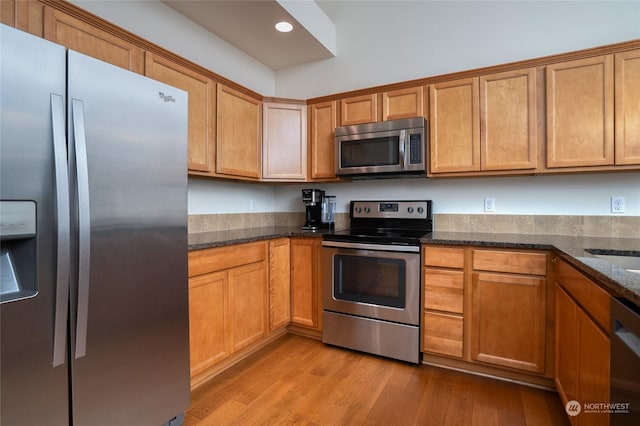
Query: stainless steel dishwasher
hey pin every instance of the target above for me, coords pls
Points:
(625, 363)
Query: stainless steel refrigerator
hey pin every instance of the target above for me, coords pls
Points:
(93, 209)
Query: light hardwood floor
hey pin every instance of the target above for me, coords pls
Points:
(296, 380)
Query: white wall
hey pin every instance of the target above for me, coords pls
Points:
(381, 42)
(570, 194)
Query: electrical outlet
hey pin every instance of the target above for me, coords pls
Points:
(489, 204)
(252, 205)
(617, 204)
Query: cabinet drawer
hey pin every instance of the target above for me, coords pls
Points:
(589, 295)
(220, 258)
(443, 290)
(442, 334)
(444, 257)
(510, 262)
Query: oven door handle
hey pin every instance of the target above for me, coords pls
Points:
(381, 247)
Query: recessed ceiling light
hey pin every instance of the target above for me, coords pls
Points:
(284, 27)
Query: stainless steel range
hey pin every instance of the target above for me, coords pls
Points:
(371, 288)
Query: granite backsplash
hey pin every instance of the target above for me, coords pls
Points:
(588, 226)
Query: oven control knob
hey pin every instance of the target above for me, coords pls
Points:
(367, 210)
(358, 209)
(420, 210)
(410, 209)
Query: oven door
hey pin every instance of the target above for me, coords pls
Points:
(372, 281)
(379, 152)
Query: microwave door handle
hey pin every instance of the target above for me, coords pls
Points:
(402, 145)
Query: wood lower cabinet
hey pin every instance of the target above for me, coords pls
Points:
(279, 283)
(82, 37)
(508, 314)
(443, 303)
(228, 296)
(202, 104)
(580, 107)
(239, 134)
(306, 300)
(284, 142)
(322, 124)
(581, 343)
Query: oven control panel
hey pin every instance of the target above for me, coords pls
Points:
(391, 209)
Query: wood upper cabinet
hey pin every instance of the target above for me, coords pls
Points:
(279, 283)
(202, 104)
(322, 124)
(358, 110)
(508, 315)
(627, 104)
(82, 37)
(26, 15)
(238, 140)
(485, 124)
(305, 298)
(454, 141)
(403, 103)
(284, 142)
(580, 107)
(508, 120)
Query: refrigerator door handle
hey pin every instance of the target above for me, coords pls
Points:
(64, 230)
(84, 231)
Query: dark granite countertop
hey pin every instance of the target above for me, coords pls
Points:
(613, 278)
(204, 240)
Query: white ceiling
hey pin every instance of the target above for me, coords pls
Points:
(249, 26)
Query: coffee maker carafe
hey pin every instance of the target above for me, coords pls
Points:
(312, 198)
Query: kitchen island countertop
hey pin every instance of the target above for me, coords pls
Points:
(573, 250)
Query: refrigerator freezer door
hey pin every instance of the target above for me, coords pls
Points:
(32, 391)
(130, 360)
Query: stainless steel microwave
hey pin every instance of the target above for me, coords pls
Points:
(389, 148)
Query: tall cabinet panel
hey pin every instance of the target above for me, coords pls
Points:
(322, 124)
(85, 38)
(202, 102)
(455, 133)
(284, 142)
(627, 87)
(239, 128)
(580, 113)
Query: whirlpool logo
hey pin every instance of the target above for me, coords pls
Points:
(166, 98)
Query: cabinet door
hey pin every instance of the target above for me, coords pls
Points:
(580, 113)
(322, 118)
(508, 121)
(248, 304)
(85, 38)
(627, 87)
(454, 126)
(304, 281)
(508, 321)
(238, 141)
(279, 279)
(208, 315)
(566, 346)
(358, 110)
(202, 102)
(284, 143)
(593, 362)
(403, 103)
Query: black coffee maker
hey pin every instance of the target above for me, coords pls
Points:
(312, 198)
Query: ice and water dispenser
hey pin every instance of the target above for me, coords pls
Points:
(18, 254)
